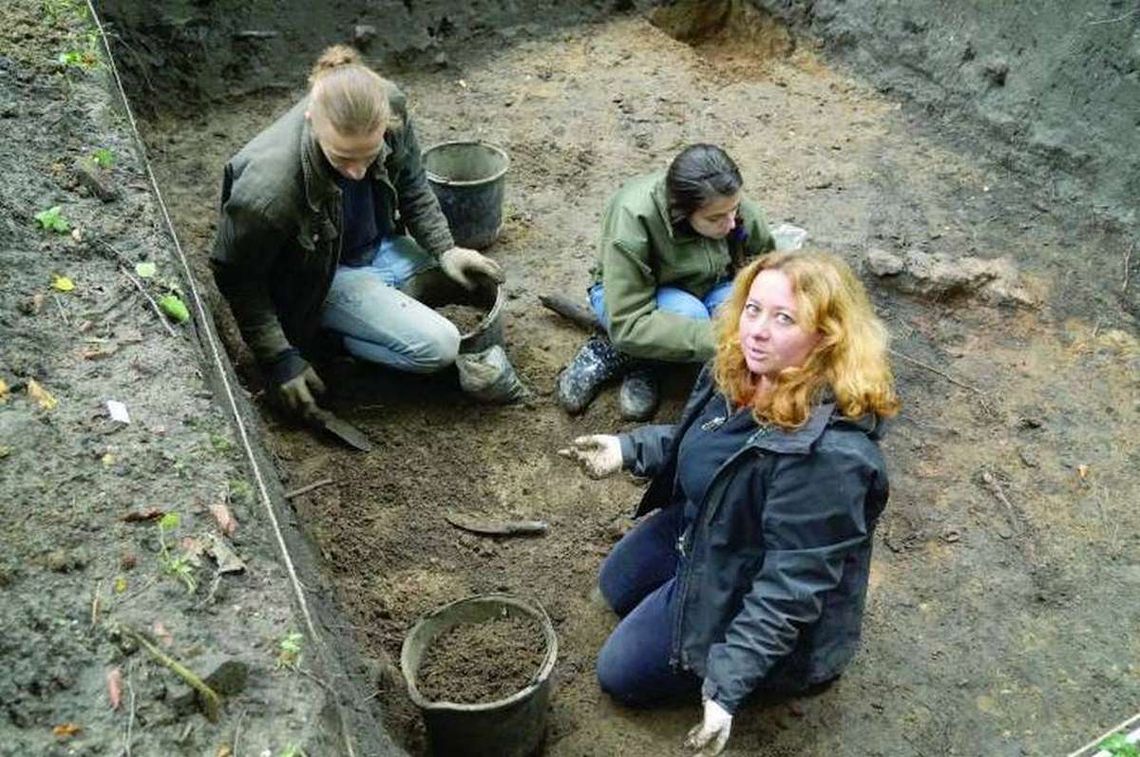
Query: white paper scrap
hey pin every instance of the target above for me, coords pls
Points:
(118, 411)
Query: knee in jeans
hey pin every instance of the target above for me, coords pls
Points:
(438, 349)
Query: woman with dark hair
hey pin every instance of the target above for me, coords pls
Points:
(327, 222)
(751, 572)
(670, 244)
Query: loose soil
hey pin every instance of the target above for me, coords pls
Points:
(465, 317)
(474, 663)
(1005, 565)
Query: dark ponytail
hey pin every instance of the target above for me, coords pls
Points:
(698, 174)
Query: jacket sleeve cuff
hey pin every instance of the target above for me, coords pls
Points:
(285, 366)
(628, 454)
(710, 691)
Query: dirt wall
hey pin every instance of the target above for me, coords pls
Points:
(182, 52)
(1057, 84)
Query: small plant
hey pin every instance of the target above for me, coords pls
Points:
(220, 443)
(1118, 745)
(289, 650)
(103, 157)
(293, 751)
(241, 492)
(86, 59)
(178, 566)
(52, 219)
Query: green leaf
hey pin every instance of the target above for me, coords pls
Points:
(169, 522)
(146, 269)
(53, 219)
(103, 157)
(174, 307)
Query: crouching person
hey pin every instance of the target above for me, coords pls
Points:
(328, 225)
(750, 570)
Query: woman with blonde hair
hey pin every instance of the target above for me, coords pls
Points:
(328, 224)
(751, 572)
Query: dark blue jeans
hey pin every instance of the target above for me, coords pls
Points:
(637, 580)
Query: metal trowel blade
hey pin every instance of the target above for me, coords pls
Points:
(347, 432)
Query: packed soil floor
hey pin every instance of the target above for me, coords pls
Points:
(1001, 608)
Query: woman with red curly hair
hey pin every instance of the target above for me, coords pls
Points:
(751, 572)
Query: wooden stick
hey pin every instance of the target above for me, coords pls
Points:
(995, 489)
(308, 488)
(932, 369)
(580, 316)
(211, 702)
(95, 604)
(130, 718)
(62, 312)
(1127, 266)
(496, 527)
(237, 732)
(154, 305)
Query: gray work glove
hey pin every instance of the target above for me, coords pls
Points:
(599, 455)
(296, 394)
(459, 262)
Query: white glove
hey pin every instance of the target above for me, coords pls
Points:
(458, 262)
(598, 454)
(710, 736)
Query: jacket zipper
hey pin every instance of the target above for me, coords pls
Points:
(682, 542)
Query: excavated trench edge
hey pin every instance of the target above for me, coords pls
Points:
(349, 716)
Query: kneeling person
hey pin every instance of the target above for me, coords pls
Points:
(670, 244)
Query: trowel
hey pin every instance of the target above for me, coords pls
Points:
(343, 430)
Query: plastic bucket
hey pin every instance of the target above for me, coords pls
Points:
(509, 727)
(468, 179)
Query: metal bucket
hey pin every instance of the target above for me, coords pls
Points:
(488, 296)
(509, 727)
(468, 179)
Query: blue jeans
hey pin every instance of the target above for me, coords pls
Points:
(638, 580)
(669, 299)
(380, 323)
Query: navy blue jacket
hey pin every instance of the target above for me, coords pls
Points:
(774, 569)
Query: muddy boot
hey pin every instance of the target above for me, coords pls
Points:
(595, 364)
(638, 396)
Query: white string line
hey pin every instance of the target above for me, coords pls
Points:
(204, 324)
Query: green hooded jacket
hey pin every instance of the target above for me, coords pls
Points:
(279, 231)
(640, 250)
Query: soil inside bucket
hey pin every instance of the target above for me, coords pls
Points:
(474, 663)
(466, 317)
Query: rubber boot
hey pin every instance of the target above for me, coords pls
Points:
(595, 364)
(639, 394)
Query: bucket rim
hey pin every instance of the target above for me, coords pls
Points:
(488, 321)
(542, 678)
(436, 178)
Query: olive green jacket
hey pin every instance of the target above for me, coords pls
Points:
(640, 250)
(279, 232)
